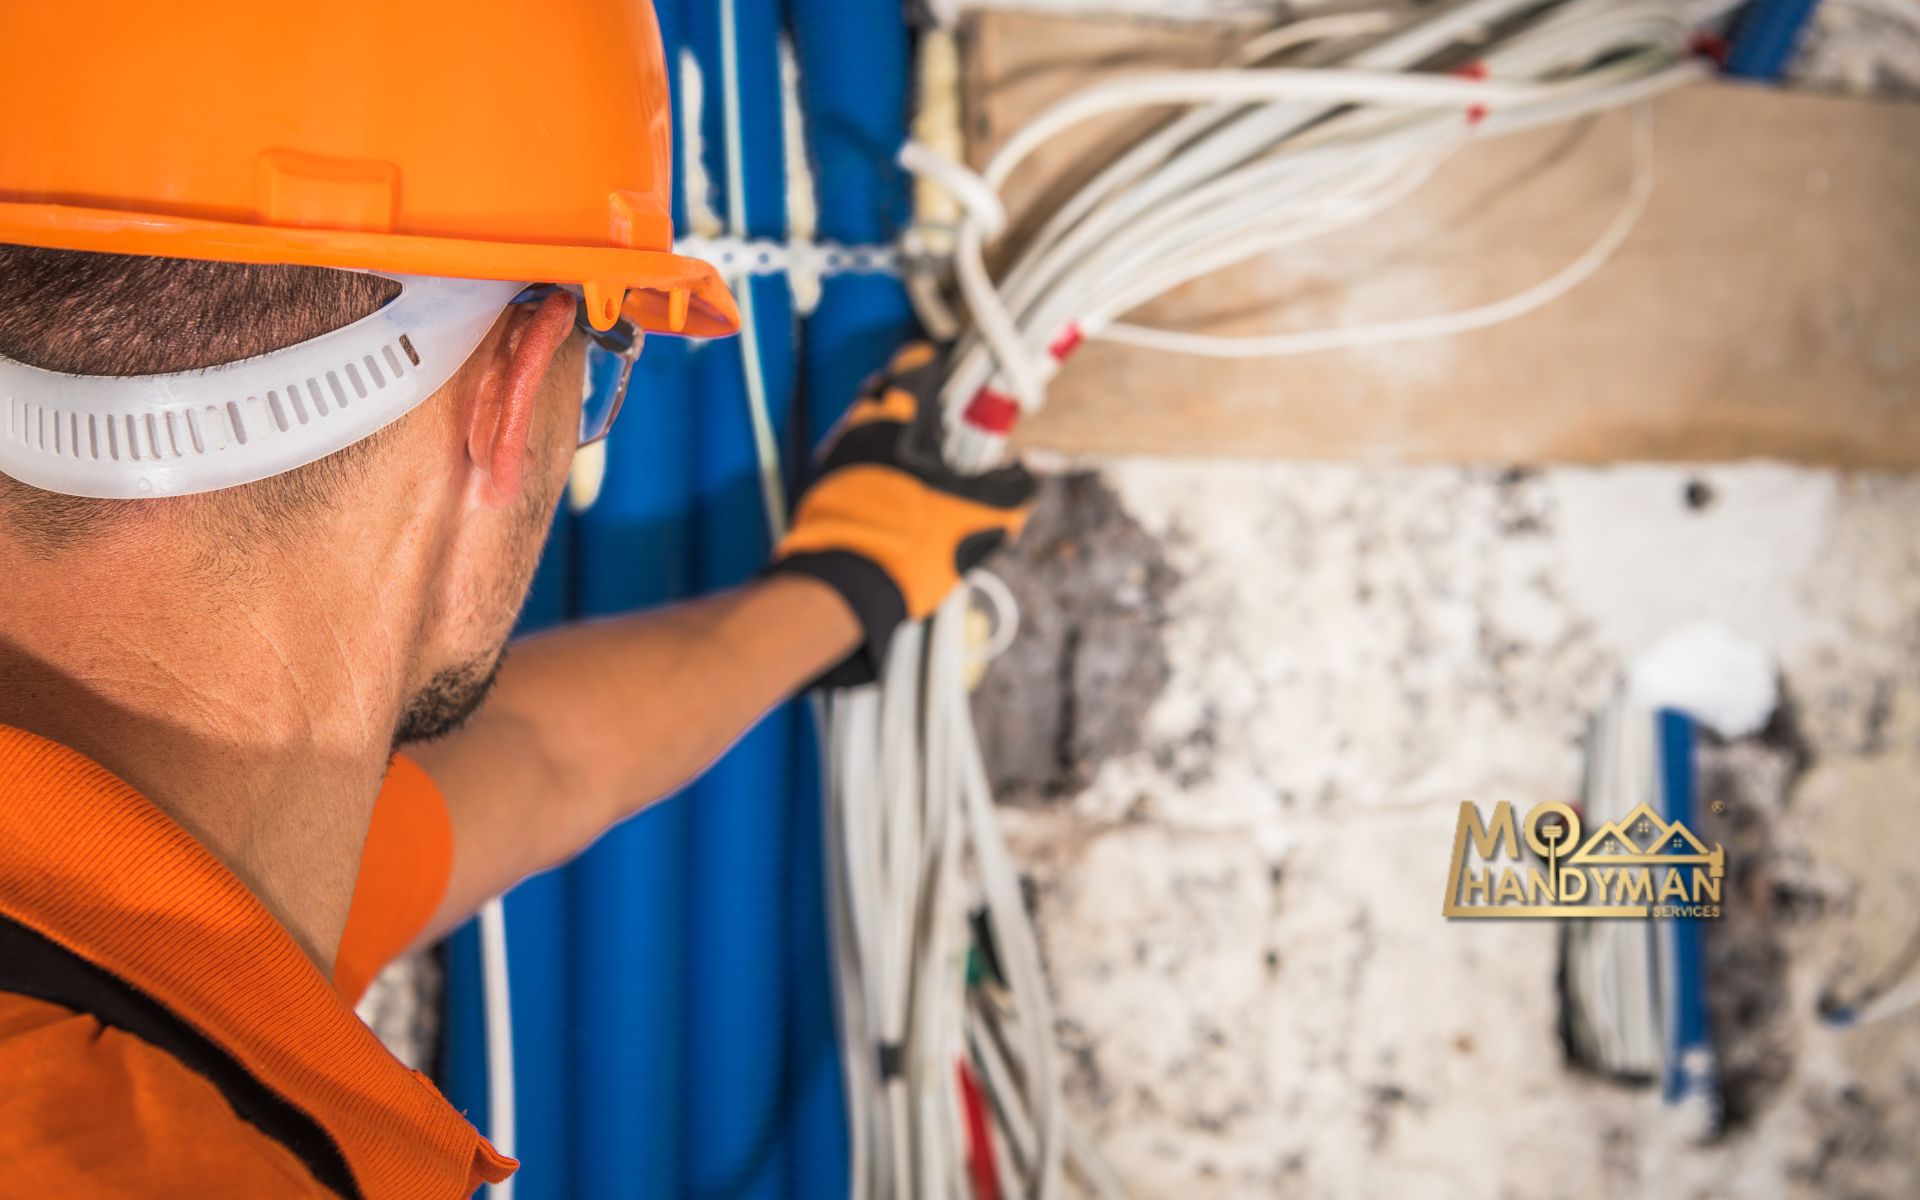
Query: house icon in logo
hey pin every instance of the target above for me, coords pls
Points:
(1645, 838)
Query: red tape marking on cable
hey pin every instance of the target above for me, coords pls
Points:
(992, 412)
(1476, 113)
(1710, 46)
(980, 1159)
(1069, 340)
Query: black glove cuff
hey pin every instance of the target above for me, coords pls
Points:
(871, 593)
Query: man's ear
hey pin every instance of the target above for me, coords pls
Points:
(507, 391)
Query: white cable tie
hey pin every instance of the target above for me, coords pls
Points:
(732, 256)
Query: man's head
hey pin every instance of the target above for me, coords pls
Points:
(445, 510)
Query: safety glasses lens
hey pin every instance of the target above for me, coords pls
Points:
(610, 355)
(604, 390)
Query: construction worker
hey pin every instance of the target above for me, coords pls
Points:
(303, 311)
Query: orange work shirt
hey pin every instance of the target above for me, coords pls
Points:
(207, 1056)
(403, 876)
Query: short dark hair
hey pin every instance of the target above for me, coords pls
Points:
(117, 314)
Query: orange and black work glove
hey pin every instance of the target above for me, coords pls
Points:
(885, 522)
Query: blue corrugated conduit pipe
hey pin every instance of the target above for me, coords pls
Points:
(853, 66)
(629, 1023)
(629, 889)
(539, 973)
(462, 1070)
(1765, 37)
(538, 969)
(740, 848)
(672, 990)
(853, 57)
(1690, 1074)
(816, 1103)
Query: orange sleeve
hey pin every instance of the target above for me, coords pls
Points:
(403, 877)
(90, 1112)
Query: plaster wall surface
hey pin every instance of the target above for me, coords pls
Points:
(1241, 913)
(1240, 900)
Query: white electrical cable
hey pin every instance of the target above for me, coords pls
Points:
(499, 1022)
(1903, 997)
(772, 486)
(1309, 30)
(1347, 337)
(1360, 113)
(973, 192)
(908, 805)
(1576, 57)
(1247, 86)
(1018, 945)
(850, 1014)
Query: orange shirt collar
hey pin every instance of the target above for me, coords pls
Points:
(91, 864)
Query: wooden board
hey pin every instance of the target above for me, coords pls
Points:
(1767, 304)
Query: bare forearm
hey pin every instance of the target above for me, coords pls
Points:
(632, 707)
(592, 722)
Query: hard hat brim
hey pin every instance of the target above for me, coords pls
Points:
(658, 291)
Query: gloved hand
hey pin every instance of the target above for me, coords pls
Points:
(885, 522)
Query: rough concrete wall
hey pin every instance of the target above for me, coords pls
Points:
(1241, 911)
(1092, 587)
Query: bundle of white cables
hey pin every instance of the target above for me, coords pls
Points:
(954, 1086)
(947, 1029)
(1264, 157)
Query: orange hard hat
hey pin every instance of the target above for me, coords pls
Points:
(480, 139)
